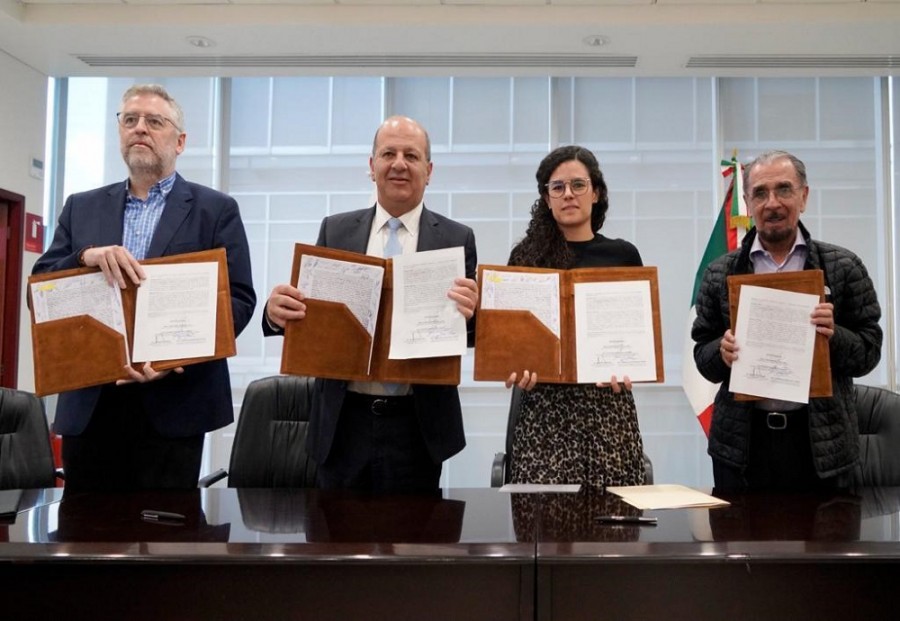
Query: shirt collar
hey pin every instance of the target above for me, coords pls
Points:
(756, 248)
(410, 219)
(163, 186)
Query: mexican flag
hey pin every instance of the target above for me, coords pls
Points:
(730, 228)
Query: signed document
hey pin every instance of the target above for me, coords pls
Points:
(614, 331)
(425, 323)
(175, 312)
(776, 340)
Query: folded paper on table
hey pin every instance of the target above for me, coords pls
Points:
(665, 497)
(331, 342)
(621, 332)
(80, 351)
(804, 281)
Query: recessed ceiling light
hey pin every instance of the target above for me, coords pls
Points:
(595, 40)
(202, 42)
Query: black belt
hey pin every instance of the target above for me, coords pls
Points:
(778, 421)
(380, 405)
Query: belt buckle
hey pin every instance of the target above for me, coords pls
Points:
(379, 407)
(776, 421)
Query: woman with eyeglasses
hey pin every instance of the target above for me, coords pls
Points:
(575, 433)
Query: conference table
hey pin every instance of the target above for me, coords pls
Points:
(461, 554)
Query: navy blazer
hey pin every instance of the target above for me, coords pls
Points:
(195, 218)
(437, 407)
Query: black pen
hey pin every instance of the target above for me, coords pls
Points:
(152, 515)
(627, 519)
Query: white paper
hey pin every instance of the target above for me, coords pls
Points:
(175, 312)
(535, 488)
(665, 496)
(534, 292)
(87, 294)
(356, 285)
(425, 322)
(776, 341)
(614, 331)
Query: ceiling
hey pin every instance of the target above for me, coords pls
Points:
(453, 37)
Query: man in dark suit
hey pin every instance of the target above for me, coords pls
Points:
(366, 435)
(147, 432)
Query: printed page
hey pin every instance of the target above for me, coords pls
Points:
(614, 331)
(356, 285)
(537, 293)
(175, 312)
(776, 341)
(87, 294)
(425, 322)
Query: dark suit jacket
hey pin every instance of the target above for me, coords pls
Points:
(194, 218)
(437, 407)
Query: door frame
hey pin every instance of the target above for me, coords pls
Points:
(12, 294)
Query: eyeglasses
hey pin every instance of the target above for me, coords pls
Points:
(782, 192)
(154, 122)
(557, 187)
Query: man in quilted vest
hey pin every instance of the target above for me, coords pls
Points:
(771, 444)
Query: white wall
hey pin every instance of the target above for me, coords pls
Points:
(23, 119)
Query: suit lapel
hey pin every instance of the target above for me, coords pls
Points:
(430, 237)
(111, 223)
(178, 205)
(357, 239)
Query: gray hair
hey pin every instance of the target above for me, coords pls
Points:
(162, 93)
(770, 156)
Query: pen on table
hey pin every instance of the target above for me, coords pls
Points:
(627, 519)
(152, 515)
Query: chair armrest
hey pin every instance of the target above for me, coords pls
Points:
(212, 478)
(498, 470)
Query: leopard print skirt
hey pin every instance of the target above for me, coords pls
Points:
(577, 434)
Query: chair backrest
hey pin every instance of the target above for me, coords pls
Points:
(26, 458)
(515, 406)
(879, 437)
(270, 441)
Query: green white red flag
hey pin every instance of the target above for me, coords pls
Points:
(731, 226)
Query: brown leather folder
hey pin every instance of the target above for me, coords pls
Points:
(330, 342)
(804, 281)
(77, 352)
(509, 341)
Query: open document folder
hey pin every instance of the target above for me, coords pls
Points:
(349, 337)
(85, 331)
(665, 497)
(569, 326)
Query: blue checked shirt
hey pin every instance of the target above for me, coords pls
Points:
(141, 217)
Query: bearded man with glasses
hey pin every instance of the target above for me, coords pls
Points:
(147, 432)
(771, 444)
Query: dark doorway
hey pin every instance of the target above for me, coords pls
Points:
(12, 217)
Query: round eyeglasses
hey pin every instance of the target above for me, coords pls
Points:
(557, 187)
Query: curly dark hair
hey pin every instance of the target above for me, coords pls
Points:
(544, 244)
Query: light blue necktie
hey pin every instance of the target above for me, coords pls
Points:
(393, 248)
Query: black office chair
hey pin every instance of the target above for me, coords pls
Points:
(26, 459)
(269, 447)
(879, 437)
(500, 469)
